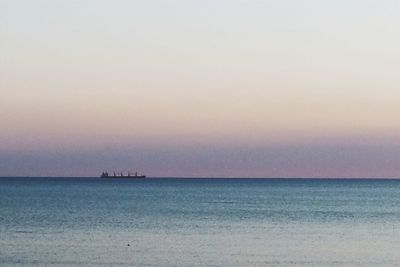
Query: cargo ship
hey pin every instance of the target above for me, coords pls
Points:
(121, 175)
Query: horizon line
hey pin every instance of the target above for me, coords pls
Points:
(206, 177)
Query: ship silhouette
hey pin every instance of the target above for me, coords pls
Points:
(121, 175)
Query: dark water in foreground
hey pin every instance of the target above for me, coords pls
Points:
(199, 222)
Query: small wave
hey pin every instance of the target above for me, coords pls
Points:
(24, 232)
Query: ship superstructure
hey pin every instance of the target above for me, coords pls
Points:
(122, 175)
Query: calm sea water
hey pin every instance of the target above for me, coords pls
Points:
(199, 222)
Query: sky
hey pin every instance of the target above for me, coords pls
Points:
(273, 88)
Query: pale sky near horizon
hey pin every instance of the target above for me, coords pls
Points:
(277, 88)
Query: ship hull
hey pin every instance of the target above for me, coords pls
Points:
(124, 177)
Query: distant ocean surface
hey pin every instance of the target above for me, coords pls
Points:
(199, 222)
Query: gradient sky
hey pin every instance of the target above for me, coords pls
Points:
(238, 88)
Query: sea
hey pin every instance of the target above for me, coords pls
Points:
(199, 222)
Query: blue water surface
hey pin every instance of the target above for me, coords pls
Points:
(199, 222)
